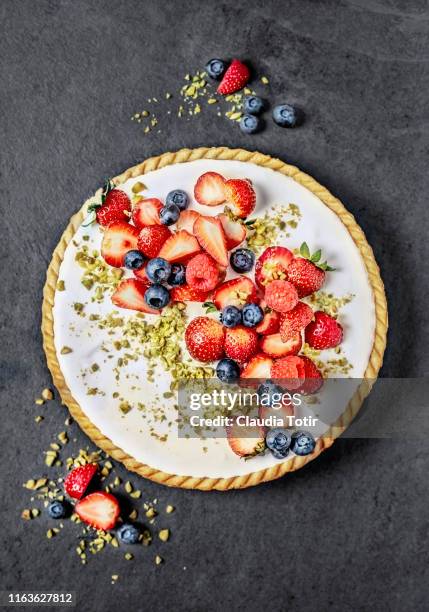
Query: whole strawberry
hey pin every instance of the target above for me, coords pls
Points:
(204, 339)
(241, 343)
(324, 332)
(77, 481)
(306, 273)
(115, 204)
(241, 195)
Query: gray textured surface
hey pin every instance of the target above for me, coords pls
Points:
(350, 531)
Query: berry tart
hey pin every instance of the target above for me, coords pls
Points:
(214, 264)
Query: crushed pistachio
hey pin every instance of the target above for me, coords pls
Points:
(47, 394)
(169, 509)
(61, 286)
(39, 401)
(164, 534)
(66, 350)
(321, 300)
(137, 187)
(158, 560)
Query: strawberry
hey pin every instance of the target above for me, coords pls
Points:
(245, 441)
(209, 189)
(313, 377)
(271, 321)
(211, 237)
(186, 220)
(130, 294)
(235, 78)
(152, 238)
(77, 481)
(179, 247)
(185, 293)
(259, 366)
(204, 339)
(241, 343)
(306, 276)
(274, 346)
(142, 276)
(324, 332)
(272, 265)
(289, 369)
(202, 272)
(113, 207)
(241, 195)
(235, 232)
(118, 239)
(282, 409)
(146, 212)
(235, 292)
(292, 322)
(99, 510)
(281, 295)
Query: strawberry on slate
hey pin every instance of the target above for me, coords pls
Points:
(235, 78)
(99, 510)
(77, 480)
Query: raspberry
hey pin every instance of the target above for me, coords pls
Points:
(292, 322)
(280, 295)
(202, 272)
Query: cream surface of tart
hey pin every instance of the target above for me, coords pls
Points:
(102, 350)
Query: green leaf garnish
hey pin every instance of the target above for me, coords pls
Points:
(209, 307)
(316, 256)
(90, 218)
(304, 250)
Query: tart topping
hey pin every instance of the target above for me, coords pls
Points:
(241, 195)
(179, 247)
(241, 343)
(204, 339)
(152, 238)
(295, 320)
(324, 332)
(280, 295)
(202, 272)
(210, 235)
(119, 238)
(209, 189)
(146, 212)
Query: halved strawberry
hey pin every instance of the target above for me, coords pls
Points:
(142, 276)
(209, 189)
(146, 212)
(185, 293)
(187, 219)
(245, 441)
(99, 510)
(181, 246)
(211, 237)
(313, 377)
(241, 195)
(130, 294)
(274, 346)
(77, 480)
(259, 367)
(271, 321)
(152, 238)
(119, 238)
(241, 343)
(235, 292)
(272, 265)
(294, 321)
(235, 232)
(204, 339)
(235, 78)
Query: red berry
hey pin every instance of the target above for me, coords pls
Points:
(118, 239)
(210, 235)
(280, 295)
(245, 441)
(202, 272)
(241, 343)
(313, 377)
(235, 292)
(272, 265)
(99, 510)
(146, 212)
(241, 195)
(185, 293)
(306, 276)
(77, 480)
(113, 208)
(204, 339)
(152, 238)
(235, 78)
(324, 332)
(289, 369)
(209, 189)
(294, 321)
(179, 247)
(130, 294)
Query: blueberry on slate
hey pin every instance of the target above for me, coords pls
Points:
(288, 116)
(134, 260)
(269, 393)
(230, 316)
(216, 68)
(303, 443)
(57, 509)
(178, 275)
(252, 314)
(228, 370)
(242, 260)
(158, 270)
(253, 105)
(178, 198)
(157, 296)
(169, 214)
(128, 534)
(250, 124)
(278, 441)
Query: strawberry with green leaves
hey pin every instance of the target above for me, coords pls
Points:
(115, 206)
(307, 272)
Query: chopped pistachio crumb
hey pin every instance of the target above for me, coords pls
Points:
(164, 534)
(26, 514)
(66, 350)
(158, 560)
(139, 186)
(61, 286)
(169, 509)
(264, 80)
(39, 401)
(151, 513)
(128, 487)
(47, 394)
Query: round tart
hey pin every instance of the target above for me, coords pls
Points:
(100, 356)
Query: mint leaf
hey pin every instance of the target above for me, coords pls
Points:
(316, 256)
(304, 250)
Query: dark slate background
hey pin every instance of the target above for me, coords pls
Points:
(349, 532)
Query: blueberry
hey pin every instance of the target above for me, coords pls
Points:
(270, 393)
(252, 314)
(157, 296)
(169, 214)
(134, 260)
(178, 275)
(253, 105)
(178, 198)
(128, 534)
(228, 370)
(242, 260)
(286, 115)
(216, 68)
(249, 124)
(278, 441)
(230, 316)
(158, 270)
(57, 509)
(303, 443)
